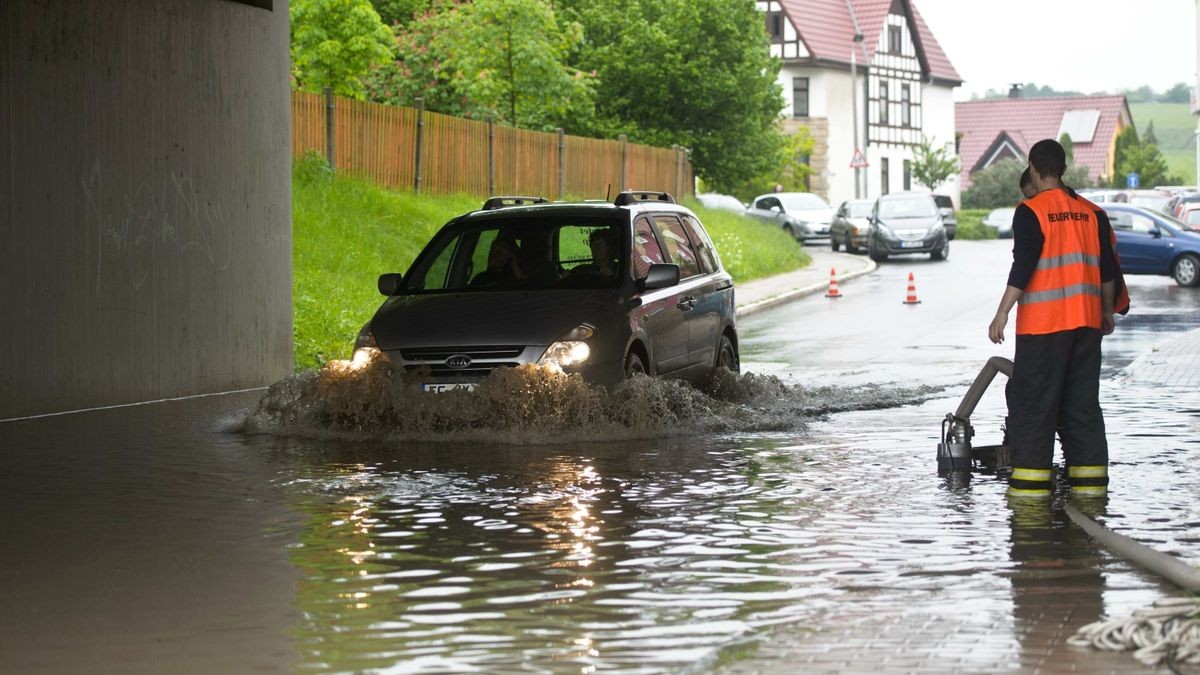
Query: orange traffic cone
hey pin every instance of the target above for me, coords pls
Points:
(911, 299)
(833, 287)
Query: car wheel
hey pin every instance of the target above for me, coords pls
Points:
(1186, 270)
(850, 247)
(727, 356)
(834, 243)
(942, 253)
(876, 255)
(790, 232)
(634, 365)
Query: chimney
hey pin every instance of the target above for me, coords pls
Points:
(1014, 91)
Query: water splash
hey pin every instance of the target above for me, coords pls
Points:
(530, 404)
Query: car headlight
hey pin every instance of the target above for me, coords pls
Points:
(365, 338)
(936, 228)
(886, 231)
(569, 350)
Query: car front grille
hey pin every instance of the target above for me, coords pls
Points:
(483, 360)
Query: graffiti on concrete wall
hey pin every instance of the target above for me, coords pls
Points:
(163, 223)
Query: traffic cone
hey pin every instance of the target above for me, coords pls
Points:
(911, 299)
(833, 287)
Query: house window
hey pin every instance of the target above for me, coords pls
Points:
(884, 176)
(894, 39)
(905, 106)
(799, 97)
(907, 175)
(775, 26)
(883, 103)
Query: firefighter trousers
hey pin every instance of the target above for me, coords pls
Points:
(1055, 385)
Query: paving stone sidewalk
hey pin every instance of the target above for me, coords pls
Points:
(760, 294)
(1174, 362)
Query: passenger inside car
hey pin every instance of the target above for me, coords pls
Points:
(503, 267)
(537, 260)
(604, 260)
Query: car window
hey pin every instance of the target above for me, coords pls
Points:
(1192, 217)
(767, 202)
(803, 201)
(679, 249)
(702, 244)
(646, 251)
(943, 202)
(523, 253)
(1140, 223)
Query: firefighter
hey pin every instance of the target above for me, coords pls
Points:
(1062, 279)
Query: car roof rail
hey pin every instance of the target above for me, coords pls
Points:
(512, 200)
(639, 196)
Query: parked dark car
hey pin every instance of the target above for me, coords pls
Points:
(601, 289)
(1150, 242)
(803, 215)
(906, 222)
(850, 225)
(949, 217)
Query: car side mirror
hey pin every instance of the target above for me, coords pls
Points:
(389, 284)
(661, 275)
(1155, 232)
(777, 209)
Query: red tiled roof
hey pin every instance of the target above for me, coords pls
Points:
(1028, 120)
(827, 31)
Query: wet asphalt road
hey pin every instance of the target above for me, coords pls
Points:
(155, 539)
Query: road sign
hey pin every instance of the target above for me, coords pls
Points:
(858, 161)
(1131, 180)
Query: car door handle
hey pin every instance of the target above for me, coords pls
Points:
(686, 303)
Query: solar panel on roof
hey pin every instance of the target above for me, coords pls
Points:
(1080, 125)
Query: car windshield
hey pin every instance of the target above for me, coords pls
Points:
(943, 202)
(521, 253)
(913, 207)
(802, 201)
(859, 209)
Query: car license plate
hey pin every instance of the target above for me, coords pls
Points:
(911, 244)
(441, 387)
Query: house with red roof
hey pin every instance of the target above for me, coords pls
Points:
(865, 76)
(994, 129)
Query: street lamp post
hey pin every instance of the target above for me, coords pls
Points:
(858, 38)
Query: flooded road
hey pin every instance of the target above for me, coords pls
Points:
(156, 538)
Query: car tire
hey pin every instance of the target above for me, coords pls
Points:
(833, 244)
(1186, 270)
(790, 232)
(727, 356)
(942, 253)
(876, 255)
(634, 365)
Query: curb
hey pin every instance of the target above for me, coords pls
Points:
(1156, 355)
(804, 291)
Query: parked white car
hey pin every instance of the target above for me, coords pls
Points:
(1000, 220)
(803, 215)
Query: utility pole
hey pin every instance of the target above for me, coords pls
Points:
(854, 109)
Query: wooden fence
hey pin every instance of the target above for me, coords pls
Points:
(409, 148)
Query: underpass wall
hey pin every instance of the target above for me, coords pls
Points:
(145, 198)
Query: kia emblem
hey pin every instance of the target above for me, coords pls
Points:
(458, 361)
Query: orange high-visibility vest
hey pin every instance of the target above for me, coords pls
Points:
(1064, 291)
(1121, 296)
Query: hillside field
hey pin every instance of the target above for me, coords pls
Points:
(1175, 129)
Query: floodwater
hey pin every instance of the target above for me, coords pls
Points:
(761, 526)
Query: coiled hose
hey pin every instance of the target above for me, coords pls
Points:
(1167, 632)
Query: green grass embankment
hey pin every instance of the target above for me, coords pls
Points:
(346, 232)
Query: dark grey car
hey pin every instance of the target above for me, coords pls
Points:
(907, 222)
(596, 288)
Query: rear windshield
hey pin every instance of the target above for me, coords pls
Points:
(912, 207)
(523, 253)
(859, 209)
(943, 202)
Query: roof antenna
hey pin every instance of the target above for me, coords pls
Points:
(608, 194)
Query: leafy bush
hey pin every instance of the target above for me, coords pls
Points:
(1000, 184)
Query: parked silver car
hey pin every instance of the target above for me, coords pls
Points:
(851, 224)
(803, 215)
(601, 289)
(1000, 220)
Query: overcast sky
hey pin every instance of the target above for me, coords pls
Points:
(995, 43)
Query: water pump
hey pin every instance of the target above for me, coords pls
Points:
(955, 453)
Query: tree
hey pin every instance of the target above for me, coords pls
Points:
(509, 59)
(932, 165)
(792, 173)
(400, 12)
(335, 43)
(1150, 137)
(1068, 147)
(691, 72)
(996, 186)
(1180, 93)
